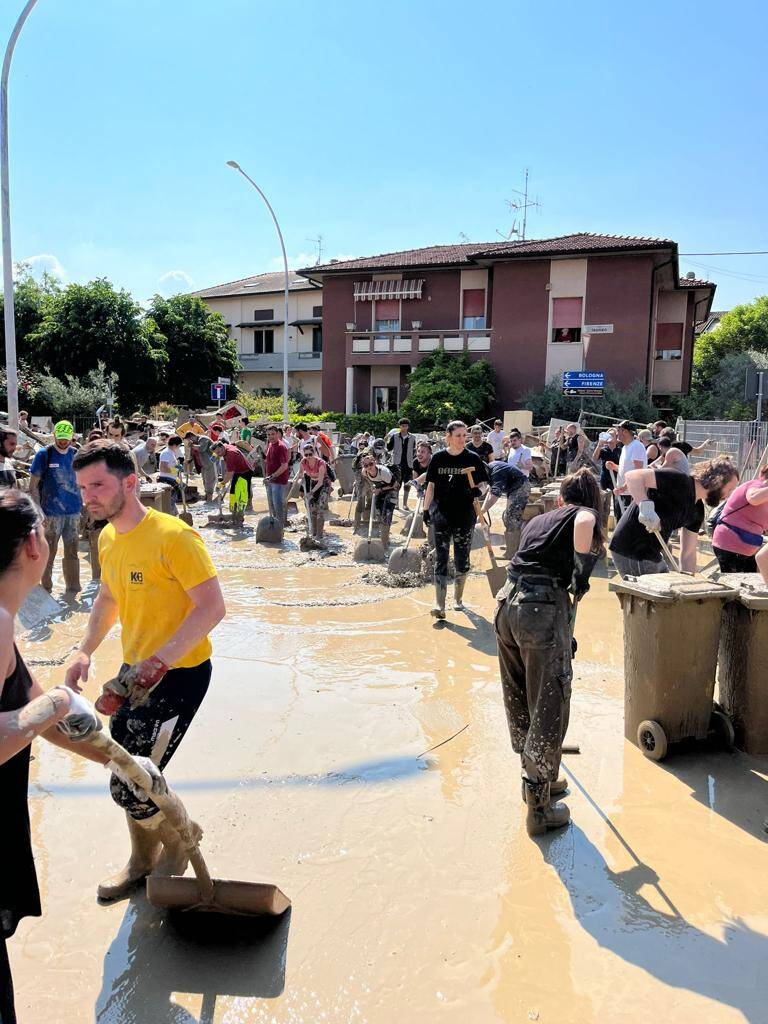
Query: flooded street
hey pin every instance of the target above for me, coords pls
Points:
(417, 894)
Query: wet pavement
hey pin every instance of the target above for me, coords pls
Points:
(417, 895)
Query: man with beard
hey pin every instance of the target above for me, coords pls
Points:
(159, 581)
(664, 500)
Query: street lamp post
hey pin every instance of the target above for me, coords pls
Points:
(236, 166)
(5, 201)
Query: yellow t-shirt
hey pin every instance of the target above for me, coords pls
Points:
(149, 571)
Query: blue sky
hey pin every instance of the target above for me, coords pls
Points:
(381, 127)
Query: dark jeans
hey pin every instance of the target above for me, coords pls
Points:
(461, 536)
(156, 728)
(729, 561)
(7, 1010)
(533, 638)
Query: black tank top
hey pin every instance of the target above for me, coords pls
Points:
(19, 895)
(546, 546)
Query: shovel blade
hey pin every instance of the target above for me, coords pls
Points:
(402, 561)
(38, 606)
(497, 577)
(369, 551)
(229, 897)
(186, 517)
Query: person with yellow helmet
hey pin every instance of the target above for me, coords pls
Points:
(53, 487)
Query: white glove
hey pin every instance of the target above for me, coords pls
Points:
(81, 721)
(649, 517)
(159, 785)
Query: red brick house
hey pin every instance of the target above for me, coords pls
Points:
(532, 308)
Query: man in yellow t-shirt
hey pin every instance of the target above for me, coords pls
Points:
(158, 580)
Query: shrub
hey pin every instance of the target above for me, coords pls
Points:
(549, 402)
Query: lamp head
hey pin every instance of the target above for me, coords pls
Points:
(233, 163)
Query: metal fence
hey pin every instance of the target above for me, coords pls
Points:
(743, 442)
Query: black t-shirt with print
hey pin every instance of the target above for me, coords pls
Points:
(454, 497)
(674, 498)
(483, 450)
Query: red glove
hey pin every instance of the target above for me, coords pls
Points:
(113, 695)
(142, 678)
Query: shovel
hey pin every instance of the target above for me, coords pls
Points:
(402, 560)
(201, 893)
(497, 574)
(186, 515)
(38, 607)
(308, 542)
(369, 550)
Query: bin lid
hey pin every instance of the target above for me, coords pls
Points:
(753, 591)
(670, 587)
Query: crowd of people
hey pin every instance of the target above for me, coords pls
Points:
(158, 581)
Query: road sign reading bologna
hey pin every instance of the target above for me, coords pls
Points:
(583, 382)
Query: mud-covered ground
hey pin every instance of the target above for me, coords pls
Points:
(417, 895)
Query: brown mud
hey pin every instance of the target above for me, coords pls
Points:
(417, 895)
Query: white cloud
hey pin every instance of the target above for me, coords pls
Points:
(44, 262)
(173, 282)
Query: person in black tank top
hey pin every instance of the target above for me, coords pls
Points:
(533, 624)
(25, 712)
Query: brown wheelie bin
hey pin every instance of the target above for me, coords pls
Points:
(743, 662)
(671, 637)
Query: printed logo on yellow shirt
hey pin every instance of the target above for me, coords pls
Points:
(136, 577)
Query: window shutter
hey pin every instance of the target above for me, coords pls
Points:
(387, 309)
(474, 302)
(566, 313)
(669, 336)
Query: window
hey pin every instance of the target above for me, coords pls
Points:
(384, 400)
(473, 306)
(264, 342)
(263, 314)
(669, 341)
(317, 339)
(387, 315)
(566, 321)
(317, 311)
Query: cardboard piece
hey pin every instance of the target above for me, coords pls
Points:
(520, 418)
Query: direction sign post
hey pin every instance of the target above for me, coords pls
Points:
(586, 383)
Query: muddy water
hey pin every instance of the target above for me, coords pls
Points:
(417, 895)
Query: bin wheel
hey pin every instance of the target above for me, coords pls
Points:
(652, 740)
(721, 725)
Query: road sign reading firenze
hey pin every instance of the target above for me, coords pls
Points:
(583, 383)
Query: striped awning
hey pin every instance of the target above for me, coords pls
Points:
(366, 291)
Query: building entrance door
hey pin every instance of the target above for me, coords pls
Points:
(384, 399)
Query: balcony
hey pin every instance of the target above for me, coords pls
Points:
(365, 346)
(273, 361)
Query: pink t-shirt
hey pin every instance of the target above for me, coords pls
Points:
(738, 512)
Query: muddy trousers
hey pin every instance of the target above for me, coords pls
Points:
(156, 728)
(534, 646)
(461, 535)
(62, 528)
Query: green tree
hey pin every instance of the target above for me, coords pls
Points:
(86, 324)
(30, 301)
(445, 386)
(198, 347)
(549, 402)
(743, 330)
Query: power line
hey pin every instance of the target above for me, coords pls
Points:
(757, 252)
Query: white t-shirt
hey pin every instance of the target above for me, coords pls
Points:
(631, 453)
(496, 440)
(518, 456)
(169, 463)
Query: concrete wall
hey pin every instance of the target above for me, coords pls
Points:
(568, 280)
(309, 382)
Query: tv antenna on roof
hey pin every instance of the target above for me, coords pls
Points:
(319, 243)
(519, 207)
(464, 237)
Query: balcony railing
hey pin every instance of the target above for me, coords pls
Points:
(273, 361)
(415, 342)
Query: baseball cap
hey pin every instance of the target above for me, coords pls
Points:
(63, 431)
(625, 425)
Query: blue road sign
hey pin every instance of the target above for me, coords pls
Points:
(218, 392)
(583, 382)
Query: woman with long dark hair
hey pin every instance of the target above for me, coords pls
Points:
(534, 630)
(26, 711)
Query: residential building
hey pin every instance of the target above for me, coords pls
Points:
(532, 308)
(712, 322)
(254, 311)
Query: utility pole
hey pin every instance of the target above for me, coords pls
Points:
(759, 411)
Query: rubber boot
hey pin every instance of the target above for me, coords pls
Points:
(145, 850)
(174, 857)
(458, 592)
(542, 815)
(441, 590)
(71, 568)
(555, 788)
(319, 526)
(384, 535)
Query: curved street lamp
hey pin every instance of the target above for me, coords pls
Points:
(5, 202)
(236, 166)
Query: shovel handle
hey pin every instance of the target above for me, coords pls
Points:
(413, 524)
(486, 534)
(169, 803)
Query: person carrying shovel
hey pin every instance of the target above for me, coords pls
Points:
(159, 582)
(316, 483)
(384, 484)
(449, 508)
(534, 628)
